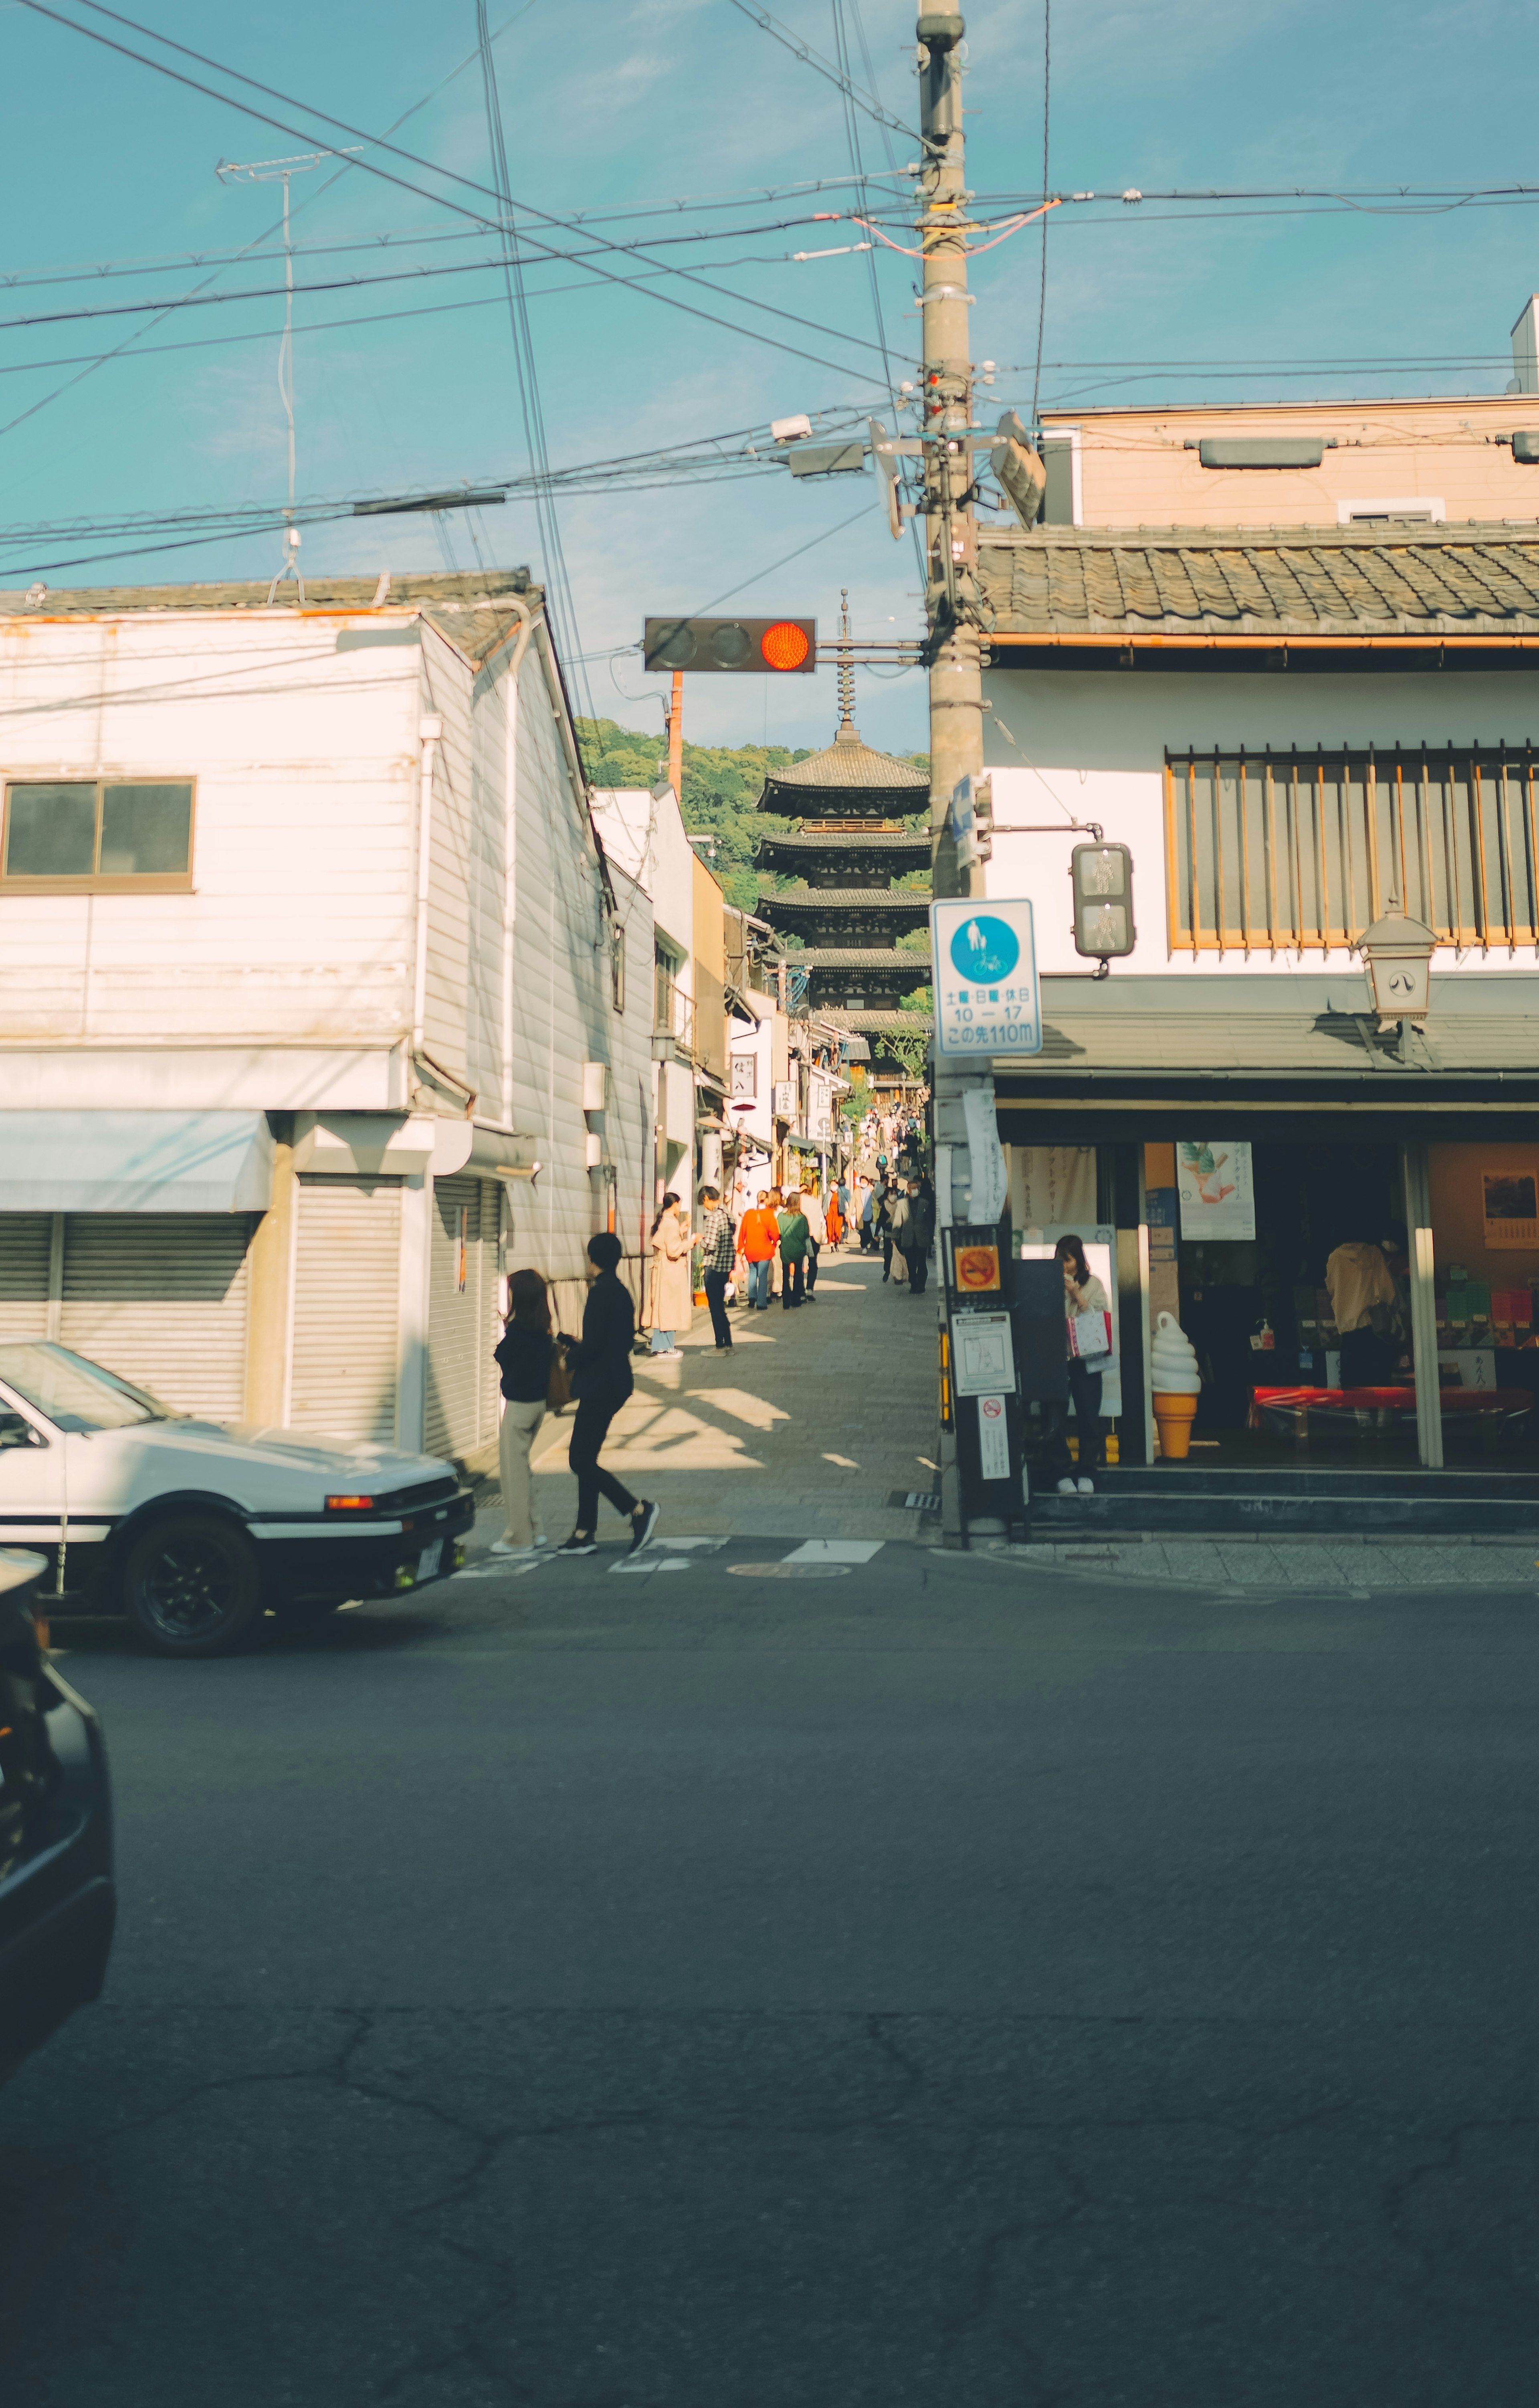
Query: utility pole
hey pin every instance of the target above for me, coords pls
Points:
(676, 738)
(956, 680)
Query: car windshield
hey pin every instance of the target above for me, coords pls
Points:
(75, 1394)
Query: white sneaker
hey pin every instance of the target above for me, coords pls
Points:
(1087, 1488)
(1067, 1488)
(506, 1547)
(542, 1541)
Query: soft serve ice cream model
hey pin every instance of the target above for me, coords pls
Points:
(1176, 1383)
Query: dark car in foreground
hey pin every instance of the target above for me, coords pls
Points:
(57, 1901)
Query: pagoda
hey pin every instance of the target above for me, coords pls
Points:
(845, 847)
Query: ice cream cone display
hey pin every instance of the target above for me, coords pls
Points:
(1176, 1383)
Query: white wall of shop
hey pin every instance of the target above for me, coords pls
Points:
(1086, 745)
(305, 752)
(284, 981)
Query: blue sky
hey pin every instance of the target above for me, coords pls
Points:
(609, 103)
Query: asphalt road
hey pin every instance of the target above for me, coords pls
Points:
(721, 1990)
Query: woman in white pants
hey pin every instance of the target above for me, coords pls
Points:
(523, 1359)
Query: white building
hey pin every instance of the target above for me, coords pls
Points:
(1300, 733)
(308, 965)
(642, 836)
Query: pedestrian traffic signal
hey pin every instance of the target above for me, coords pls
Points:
(1103, 901)
(732, 645)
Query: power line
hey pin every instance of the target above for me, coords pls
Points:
(229, 100)
(203, 299)
(404, 239)
(525, 365)
(90, 366)
(819, 65)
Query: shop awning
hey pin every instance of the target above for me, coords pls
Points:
(135, 1162)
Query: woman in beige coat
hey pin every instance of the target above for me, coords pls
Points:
(669, 1301)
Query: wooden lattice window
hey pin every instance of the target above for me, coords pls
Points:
(1275, 852)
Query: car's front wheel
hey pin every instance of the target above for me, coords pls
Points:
(191, 1585)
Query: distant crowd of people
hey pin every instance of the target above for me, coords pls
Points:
(761, 1248)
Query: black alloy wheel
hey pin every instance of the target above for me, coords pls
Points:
(191, 1585)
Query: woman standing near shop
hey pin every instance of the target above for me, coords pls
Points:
(670, 1304)
(1083, 1295)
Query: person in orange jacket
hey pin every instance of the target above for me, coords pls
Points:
(759, 1242)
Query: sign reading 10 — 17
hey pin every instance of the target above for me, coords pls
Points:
(986, 1000)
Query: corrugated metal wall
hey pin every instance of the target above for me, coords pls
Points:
(464, 1322)
(346, 1298)
(161, 1298)
(24, 1274)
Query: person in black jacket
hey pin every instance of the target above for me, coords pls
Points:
(600, 1364)
(523, 1361)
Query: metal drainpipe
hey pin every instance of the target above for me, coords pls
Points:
(510, 854)
(431, 732)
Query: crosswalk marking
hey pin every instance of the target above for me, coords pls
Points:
(835, 1550)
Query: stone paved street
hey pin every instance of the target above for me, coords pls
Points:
(807, 1428)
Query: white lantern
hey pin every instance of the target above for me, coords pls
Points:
(1399, 954)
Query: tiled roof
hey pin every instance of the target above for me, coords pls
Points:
(848, 770)
(889, 902)
(1276, 1027)
(467, 607)
(1433, 580)
(909, 849)
(875, 1024)
(863, 958)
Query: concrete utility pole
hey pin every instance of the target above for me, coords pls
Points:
(955, 683)
(955, 680)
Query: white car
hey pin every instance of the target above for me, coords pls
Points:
(191, 1528)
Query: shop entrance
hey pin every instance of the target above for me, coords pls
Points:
(1302, 1332)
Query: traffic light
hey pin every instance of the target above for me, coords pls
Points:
(765, 647)
(1103, 901)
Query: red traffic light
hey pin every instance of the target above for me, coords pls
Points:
(786, 645)
(731, 647)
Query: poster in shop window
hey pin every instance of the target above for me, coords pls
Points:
(1217, 1199)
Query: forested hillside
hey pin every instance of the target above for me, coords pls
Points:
(722, 786)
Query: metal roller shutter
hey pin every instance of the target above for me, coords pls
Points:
(24, 1274)
(347, 1298)
(462, 1413)
(161, 1298)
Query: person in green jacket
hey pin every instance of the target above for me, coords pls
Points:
(793, 1250)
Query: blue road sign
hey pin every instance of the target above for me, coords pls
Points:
(986, 999)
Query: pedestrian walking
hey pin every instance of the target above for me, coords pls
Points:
(868, 1216)
(670, 1302)
(794, 1249)
(913, 1229)
(758, 1239)
(1083, 1295)
(833, 1221)
(881, 1221)
(813, 1214)
(599, 1363)
(527, 1368)
(717, 1242)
